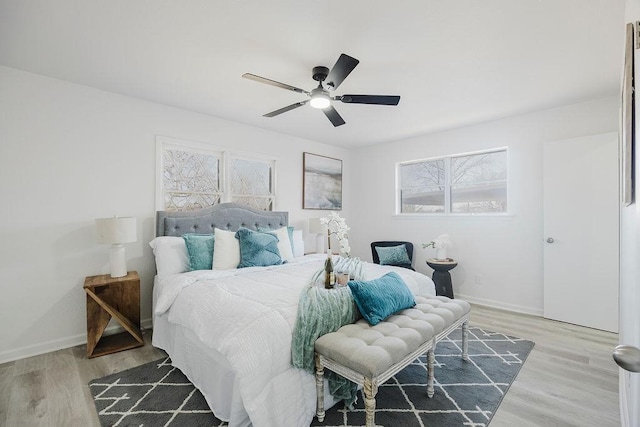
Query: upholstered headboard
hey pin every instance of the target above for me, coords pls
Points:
(226, 216)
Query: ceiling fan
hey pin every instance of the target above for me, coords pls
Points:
(328, 80)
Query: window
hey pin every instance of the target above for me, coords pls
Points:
(466, 183)
(251, 182)
(190, 179)
(193, 176)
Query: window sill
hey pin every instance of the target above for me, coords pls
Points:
(453, 215)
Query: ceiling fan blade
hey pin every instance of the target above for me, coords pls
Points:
(333, 116)
(370, 99)
(343, 67)
(273, 83)
(285, 109)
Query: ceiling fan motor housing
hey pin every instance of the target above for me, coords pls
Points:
(320, 73)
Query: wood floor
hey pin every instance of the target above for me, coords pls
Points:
(569, 378)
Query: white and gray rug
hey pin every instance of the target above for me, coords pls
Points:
(467, 393)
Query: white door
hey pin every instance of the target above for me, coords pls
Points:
(630, 267)
(581, 220)
(630, 305)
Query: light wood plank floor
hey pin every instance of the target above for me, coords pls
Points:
(569, 378)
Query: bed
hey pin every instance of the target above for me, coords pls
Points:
(229, 329)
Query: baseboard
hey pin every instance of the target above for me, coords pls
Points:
(501, 305)
(59, 344)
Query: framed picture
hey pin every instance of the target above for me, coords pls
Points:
(322, 182)
(627, 137)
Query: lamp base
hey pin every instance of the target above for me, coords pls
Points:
(320, 244)
(117, 261)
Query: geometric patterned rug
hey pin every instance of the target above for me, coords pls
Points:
(467, 393)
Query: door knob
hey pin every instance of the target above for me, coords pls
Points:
(627, 357)
(550, 240)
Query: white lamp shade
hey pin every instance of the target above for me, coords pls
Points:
(316, 227)
(320, 230)
(116, 230)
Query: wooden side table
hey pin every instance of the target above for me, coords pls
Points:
(441, 276)
(117, 297)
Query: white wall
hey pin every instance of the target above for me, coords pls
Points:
(70, 154)
(505, 250)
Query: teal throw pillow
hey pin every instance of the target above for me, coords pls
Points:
(257, 249)
(200, 250)
(379, 298)
(393, 255)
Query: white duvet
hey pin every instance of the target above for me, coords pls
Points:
(248, 315)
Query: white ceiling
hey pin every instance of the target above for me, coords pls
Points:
(453, 62)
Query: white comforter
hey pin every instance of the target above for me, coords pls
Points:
(248, 315)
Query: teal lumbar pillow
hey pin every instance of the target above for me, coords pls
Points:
(257, 249)
(379, 298)
(393, 255)
(200, 250)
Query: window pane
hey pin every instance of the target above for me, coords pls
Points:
(484, 197)
(251, 177)
(422, 187)
(260, 203)
(190, 179)
(422, 174)
(174, 201)
(190, 171)
(422, 200)
(485, 167)
(479, 182)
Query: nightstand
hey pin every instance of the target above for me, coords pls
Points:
(441, 276)
(117, 297)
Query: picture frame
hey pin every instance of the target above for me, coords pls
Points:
(321, 182)
(627, 137)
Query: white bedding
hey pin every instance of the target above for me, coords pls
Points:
(247, 316)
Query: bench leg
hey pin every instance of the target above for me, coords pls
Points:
(430, 373)
(370, 389)
(319, 389)
(465, 337)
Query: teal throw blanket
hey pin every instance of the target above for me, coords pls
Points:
(321, 311)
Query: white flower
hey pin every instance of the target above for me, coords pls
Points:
(441, 242)
(338, 226)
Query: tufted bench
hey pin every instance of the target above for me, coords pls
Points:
(370, 355)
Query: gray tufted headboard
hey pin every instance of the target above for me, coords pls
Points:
(226, 216)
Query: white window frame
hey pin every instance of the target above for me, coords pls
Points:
(447, 185)
(163, 143)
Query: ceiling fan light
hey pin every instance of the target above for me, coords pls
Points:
(320, 101)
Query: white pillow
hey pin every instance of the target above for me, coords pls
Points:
(171, 255)
(226, 250)
(298, 244)
(284, 243)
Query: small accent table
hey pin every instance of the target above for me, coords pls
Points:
(441, 276)
(117, 297)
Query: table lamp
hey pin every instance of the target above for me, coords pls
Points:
(320, 230)
(116, 231)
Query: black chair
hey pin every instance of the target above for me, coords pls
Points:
(386, 243)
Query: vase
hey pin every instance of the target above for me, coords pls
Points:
(441, 254)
